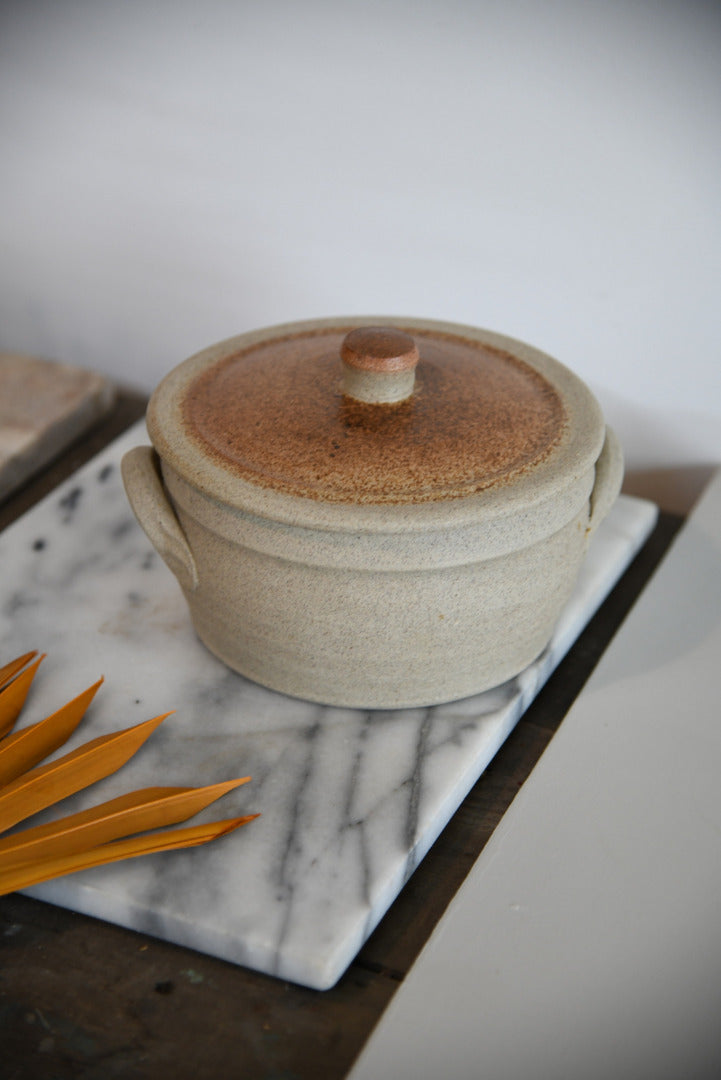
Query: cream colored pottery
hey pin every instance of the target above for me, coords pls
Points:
(374, 513)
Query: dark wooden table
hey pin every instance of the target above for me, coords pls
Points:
(85, 999)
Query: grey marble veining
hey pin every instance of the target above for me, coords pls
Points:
(350, 801)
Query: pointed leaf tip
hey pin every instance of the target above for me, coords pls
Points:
(21, 877)
(12, 668)
(14, 694)
(24, 749)
(94, 760)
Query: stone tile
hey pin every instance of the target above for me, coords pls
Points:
(44, 406)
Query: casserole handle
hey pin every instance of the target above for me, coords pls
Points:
(607, 485)
(144, 487)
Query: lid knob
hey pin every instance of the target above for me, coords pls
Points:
(379, 364)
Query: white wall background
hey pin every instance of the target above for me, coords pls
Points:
(173, 172)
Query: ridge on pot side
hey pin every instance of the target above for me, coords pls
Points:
(374, 513)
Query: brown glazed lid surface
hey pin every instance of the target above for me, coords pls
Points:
(373, 415)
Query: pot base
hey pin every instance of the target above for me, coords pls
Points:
(373, 695)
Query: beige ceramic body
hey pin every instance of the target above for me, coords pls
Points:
(374, 606)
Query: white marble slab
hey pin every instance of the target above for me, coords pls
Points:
(350, 800)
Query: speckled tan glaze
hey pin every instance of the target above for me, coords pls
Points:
(276, 415)
(422, 562)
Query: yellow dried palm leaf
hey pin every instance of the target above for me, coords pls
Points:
(20, 751)
(22, 877)
(7, 672)
(137, 812)
(48, 784)
(12, 696)
(91, 837)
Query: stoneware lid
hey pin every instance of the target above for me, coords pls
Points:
(344, 422)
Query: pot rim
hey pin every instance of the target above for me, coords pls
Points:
(576, 451)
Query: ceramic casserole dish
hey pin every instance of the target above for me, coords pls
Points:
(374, 513)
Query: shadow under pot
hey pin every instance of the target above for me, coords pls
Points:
(370, 514)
